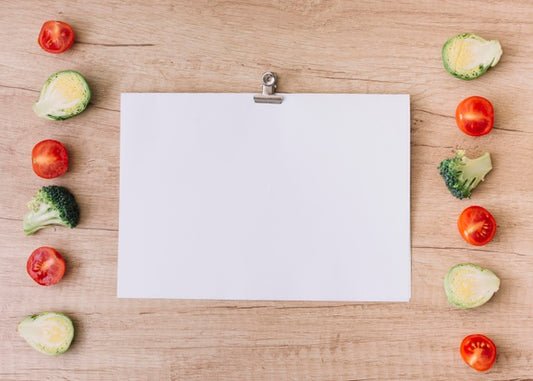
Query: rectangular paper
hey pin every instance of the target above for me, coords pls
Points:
(223, 198)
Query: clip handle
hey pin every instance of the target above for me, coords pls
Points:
(269, 80)
(269, 83)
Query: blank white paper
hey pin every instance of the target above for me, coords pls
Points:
(223, 198)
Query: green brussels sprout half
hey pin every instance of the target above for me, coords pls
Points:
(468, 56)
(64, 94)
(49, 332)
(469, 286)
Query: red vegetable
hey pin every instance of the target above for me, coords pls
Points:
(46, 266)
(475, 116)
(49, 159)
(476, 225)
(56, 36)
(479, 352)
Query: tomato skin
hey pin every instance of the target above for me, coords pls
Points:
(475, 116)
(478, 351)
(49, 159)
(476, 225)
(56, 36)
(46, 266)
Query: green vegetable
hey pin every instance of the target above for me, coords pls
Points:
(48, 332)
(462, 174)
(52, 205)
(468, 56)
(63, 95)
(469, 286)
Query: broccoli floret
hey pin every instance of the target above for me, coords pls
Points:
(52, 205)
(462, 174)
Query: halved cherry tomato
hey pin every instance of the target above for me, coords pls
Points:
(479, 352)
(475, 116)
(476, 225)
(49, 159)
(56, 36)
(46, 266)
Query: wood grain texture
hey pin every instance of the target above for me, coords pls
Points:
(223, 46)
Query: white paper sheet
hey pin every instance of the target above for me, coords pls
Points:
(222, 198)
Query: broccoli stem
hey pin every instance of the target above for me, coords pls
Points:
(40, 218)
(477, 168)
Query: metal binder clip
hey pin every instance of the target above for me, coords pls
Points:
(269, 87)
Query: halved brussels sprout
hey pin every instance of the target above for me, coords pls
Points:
(49, 332)
(468, 56)
(469, 286)
(63, 95)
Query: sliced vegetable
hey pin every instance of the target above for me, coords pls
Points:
(468, 56)
(50, 333)
(476, 225)
(469, 286)
(46, 266)
(478, 351)
(52, 205)
(56, 36)
(475, 116)
(64, 94)
(49, 159)
(462, 174)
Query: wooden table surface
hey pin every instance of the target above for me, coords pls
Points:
(224, 46)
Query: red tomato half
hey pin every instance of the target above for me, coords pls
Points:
(56, 36)
(479, 352)
(476, 225)
(46, 266)
(475, 116)
(49, 159)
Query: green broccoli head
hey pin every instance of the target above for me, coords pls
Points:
(462, 174)
(52, 205)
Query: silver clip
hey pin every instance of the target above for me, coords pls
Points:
(269, 87)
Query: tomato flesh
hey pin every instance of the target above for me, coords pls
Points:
(49, 159)
(475, 116)
(476, 225)
(479, 352)
(56, 36)
(46, 266)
